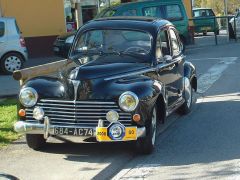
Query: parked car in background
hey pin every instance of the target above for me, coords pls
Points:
(62, 44)
(234, 30)
(128, 75)
(172, 10)
(205, 21)
(13, 51)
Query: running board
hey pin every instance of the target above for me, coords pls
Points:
(175, 106)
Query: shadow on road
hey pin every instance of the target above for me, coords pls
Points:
(205, 141)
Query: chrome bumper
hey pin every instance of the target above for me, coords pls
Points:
(47, 129)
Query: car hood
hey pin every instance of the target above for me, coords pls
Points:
(107, 66)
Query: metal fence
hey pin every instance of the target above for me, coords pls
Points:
(213, 30)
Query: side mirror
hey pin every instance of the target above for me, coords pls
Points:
(167, 58)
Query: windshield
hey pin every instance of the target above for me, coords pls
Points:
(97, 43)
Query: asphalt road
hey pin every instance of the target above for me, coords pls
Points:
(202, 145)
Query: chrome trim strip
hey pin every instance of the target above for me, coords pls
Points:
(83, 113)
(76, 102)
(44, 107)
(130, 74)
(70, 105)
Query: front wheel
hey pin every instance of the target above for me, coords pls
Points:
(35, 141)
(187, 95)
(146, 144)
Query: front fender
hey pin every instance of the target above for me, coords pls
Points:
(190, 73)
(47, 87)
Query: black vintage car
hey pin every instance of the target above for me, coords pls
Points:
(130, 74)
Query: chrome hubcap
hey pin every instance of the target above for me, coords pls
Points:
(188, 92)
(12, 63)
(154, 124)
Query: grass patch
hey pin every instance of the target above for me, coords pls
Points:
(8, 115)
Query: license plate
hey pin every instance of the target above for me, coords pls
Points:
(56, 49)
(102, 134)
(74, 131)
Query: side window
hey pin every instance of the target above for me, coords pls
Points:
(210, 13)
(158, 48)
(109, 13)
(151, 11)
(130, 12)
(165, 46)
(2, 29)
(174, 41)
(173, 12)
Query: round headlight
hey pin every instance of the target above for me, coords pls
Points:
(38, 113)
(128, 101)
(28, 97)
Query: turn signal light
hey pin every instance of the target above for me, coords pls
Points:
(21, 112)
(136, 117)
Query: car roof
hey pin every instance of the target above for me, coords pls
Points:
(143, 2)
(143, 23)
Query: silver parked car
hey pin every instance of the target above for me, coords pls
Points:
(13, 51)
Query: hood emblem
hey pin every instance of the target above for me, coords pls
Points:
(75, 86)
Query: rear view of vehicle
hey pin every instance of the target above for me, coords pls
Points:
(205, 21)
(13, 51)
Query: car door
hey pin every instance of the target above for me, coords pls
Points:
(167, 70)
(2, 37)
(178, 61)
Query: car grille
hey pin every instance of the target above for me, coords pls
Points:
(81, 113)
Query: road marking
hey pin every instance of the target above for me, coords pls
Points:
(206, 80)
(139, 172)
(220, 98)
(207, 59)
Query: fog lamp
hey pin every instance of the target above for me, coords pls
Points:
(117, 131)
(112, 116)
(38, 113)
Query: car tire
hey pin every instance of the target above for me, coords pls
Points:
(231, 32)
(146, 144)
(188, 96)
(11, 62)
(35, 141)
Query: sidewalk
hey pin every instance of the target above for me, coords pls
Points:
(10, 87)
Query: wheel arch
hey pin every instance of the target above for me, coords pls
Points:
(190, 73)
(193, 82)
(161, 108)
(17, 52)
